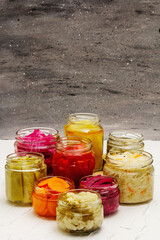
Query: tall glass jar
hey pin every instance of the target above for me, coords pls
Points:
(73, 158)
(87, 125)
(125, 140)
(134, 173)
(41, 140)
(22, 169)
(79, 211)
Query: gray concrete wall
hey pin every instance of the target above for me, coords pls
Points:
(64, 56)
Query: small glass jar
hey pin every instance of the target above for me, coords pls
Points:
(21, 171)
(108, 189)
(46, 193)
(125, 140)
(41, 140)
(87, 125)
(73, 158)
(79, 211)
(134, 173)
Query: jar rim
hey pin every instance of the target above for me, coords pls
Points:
(76, 191)
(15, 159)
(114, 186)
(76, 117)
(22, 133)
(108, 157)
(123, 135)
(51, 191)
(63, 142)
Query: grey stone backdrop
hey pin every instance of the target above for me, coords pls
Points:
(64, 56)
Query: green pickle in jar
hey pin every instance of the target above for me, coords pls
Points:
(21, 171)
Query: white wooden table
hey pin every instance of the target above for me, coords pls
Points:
(135, 222)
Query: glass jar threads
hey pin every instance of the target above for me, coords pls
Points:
(40, 140)
(79, 211)
(134, 173)
(125, 140)
(46, 192)
(21, 171)
(87, 125)
(73, 158)
(108, 189)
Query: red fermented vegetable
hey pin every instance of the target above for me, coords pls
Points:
(106, 187)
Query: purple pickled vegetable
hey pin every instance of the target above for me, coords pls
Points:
(106, 187)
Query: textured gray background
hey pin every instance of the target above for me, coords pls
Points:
(63, 56)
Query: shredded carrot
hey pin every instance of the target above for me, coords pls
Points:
(130, 189)
(144, 191)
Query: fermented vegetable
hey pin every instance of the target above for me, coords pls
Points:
(106, 187)
(79, 211)
(133, 171)
(46, 192)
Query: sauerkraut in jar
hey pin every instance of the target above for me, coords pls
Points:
(134, 173)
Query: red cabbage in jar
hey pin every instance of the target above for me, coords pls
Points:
(107, 187)
(41, 140)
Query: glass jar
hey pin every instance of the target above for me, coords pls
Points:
(41, 140)
(108, 189)
(79, 211)
(125, 140)
(73, 158)
(87, 125)
(21, 171)
(46, 192)
(134, 173)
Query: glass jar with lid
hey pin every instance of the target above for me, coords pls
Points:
(125, 140)
(79, 211)
(108, 189)
(134, 173)
(41, 140)
(22, 169)
(73, 158)
(46, 192)
(87, 125)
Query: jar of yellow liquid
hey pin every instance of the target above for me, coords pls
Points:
(87, 125)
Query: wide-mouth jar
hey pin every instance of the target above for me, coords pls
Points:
(108, 189)
(87, 125)
(39, 139)
(79, 211)
(22, 169)
(134, 173)
(125, 140)
(46, 193)
(73, 158)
